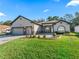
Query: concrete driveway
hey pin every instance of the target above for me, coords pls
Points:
(4, 39)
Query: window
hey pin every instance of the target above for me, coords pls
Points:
(47, 29)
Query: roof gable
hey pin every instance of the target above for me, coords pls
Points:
(24, 18)
(54, 22)
(64, 21)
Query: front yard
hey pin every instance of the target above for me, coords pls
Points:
(65, 47)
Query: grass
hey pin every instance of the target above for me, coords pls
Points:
(74, 33)
(32, 48)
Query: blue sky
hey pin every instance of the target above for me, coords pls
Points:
(35, 9)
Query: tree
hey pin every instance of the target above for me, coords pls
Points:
(68, 17)
(1, 22)
(39, 20)
(75, 21)
(8, 22)
(50, 18)
(55, 17)
(61, 18)
(77, 14)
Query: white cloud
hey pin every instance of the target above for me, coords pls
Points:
(2, 14)
(73, 3)
(46, 10)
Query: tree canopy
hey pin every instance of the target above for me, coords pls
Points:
(50, 18)
(8, 22)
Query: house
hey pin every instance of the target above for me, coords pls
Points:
(76, 28)
(4, 28)
(22, 25)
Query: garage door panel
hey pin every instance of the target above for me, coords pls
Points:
(18, 31)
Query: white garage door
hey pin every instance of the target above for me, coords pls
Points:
(17, 31)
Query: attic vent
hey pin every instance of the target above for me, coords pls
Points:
(20, 18)
(60, 22)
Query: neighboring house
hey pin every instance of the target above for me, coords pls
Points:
(76, 28)
(4, 28)
(22, 25)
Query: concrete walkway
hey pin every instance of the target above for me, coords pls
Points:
(4, 39)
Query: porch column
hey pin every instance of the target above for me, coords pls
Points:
(51, 29)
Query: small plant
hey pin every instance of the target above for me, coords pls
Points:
(33, 36)
(30, 36)
(38, 36)
(44, 36)
(26, 36)
(54, 34)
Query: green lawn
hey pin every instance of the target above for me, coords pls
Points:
(32, 48)
(74, 33)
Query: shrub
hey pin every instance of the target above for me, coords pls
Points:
(44, 36)
(30, 36)
(33, 36)
(38, 36)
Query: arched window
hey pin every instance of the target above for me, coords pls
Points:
(61, 29)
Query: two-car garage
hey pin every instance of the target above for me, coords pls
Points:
(17, 31)
(22, 31)
(21, 26)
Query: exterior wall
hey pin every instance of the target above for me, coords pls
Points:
(77, 29)
(28, 30)
(61, 23)
(37, 28)
(52, 29)
(21, 22)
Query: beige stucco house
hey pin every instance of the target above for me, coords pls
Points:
(22, 25)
